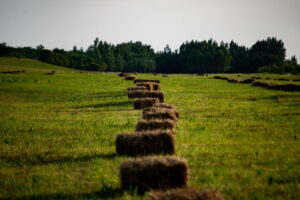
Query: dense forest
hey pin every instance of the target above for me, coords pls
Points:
(206, 56)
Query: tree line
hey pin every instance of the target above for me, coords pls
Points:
(206, 56)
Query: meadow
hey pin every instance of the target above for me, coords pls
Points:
(57, 133)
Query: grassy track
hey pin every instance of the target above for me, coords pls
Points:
(57, 134)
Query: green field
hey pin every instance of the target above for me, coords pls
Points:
(57, 134)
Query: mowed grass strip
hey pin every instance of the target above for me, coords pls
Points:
(57, 135)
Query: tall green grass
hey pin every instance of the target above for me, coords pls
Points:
(57, 135)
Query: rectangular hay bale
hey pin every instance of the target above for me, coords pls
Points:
(136, 88)
(160, 113)
(145, 143)
(153, 172)
(145, 125)
(146, 94)
(144, 103)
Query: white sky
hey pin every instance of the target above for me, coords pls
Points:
(65, 23)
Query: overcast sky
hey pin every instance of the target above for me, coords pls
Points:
(65, 23)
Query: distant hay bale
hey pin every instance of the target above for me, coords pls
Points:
(146, 94)
(290, 87)
(216, 77)
(273, 86)
(147, 85)
(50, 73)
(232, 80)
(153, 172)
(144, 103)
(154, 124)
(136, 88)
(165, 75)
(248, 80)
(146, 80)
(224, 78)
(123, 74)
(185, 194)
(155, 74)
(260, 84)
(129, 78)
(160, 113)
(137, 144)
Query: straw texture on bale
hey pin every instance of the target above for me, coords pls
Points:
(185, 194)
(144, 103)
(146, 80)
(144, 125)
(166, 106)
(145, 143)
(147, 85)
(136, 88)
(146, 94)
(159, 113)
(153, 172)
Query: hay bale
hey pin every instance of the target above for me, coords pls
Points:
(135, 94)
(123, 74)
(224, 78)
(165, 75)
(147, 85)
(146, 80)
(166, 106)
(248, 80)
(232, 80)
(216, 77)
(160, 109)
(160, 113)
(50, 73)
(144, 103)
(136, 88)
(290, 87)
(129, 78)
(154, 124)
(260, 84)
(185, 194)
(146, 143)
(273, 86)
(146, 94)
(153, 172)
